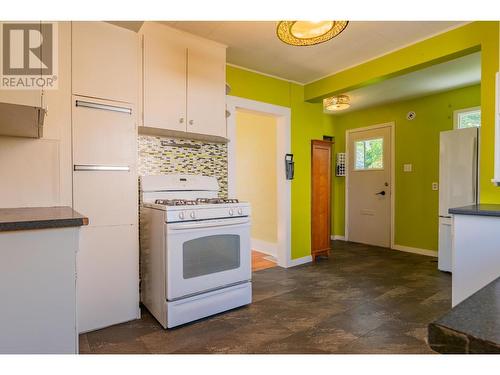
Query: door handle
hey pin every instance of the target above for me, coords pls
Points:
(380, 192)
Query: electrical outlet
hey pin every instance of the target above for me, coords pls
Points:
(407, 167)
(435, 186)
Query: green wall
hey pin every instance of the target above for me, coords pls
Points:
(416, 142)
(307, 122)
(475, 36)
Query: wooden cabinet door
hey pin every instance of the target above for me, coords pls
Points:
(164, 77)
(206, 89)
(321, 152)
(105, 61)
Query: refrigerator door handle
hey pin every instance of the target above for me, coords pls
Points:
(474, 170)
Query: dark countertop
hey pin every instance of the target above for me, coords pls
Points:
(27, 218)
(473, 326)
(477, 209)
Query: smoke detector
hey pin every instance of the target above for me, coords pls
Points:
(411, 115)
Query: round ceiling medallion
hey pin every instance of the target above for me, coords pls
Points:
(336, 103)
(309, 33)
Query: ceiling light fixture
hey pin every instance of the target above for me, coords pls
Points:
(308, 33)
(336, 103)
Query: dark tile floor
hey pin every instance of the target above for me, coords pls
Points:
(362, 299)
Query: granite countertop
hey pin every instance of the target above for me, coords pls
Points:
(473, 326)
(27, 218)
(477, 209)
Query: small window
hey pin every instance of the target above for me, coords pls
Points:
(467, 118)
(369, 154)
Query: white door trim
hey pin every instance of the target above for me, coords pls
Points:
(393, 174)
(283, 146)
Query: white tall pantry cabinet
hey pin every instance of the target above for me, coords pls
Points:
(105, 74)
(183, 81)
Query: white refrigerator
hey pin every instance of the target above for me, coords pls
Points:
(458, 180)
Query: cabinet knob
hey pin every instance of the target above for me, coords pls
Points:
(191, 122)
(181, 120)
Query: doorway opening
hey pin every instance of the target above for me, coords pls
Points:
(259, 138)
(256, 181)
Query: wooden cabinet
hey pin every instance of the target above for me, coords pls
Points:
(105, 61)
(321, 152)
(183, 82)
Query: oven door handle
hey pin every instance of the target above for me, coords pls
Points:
(208, 224)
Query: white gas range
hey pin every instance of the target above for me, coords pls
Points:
(195, 249)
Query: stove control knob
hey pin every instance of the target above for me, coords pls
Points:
(231, 212)
(240, 211)
(193, 215)
(181, 215)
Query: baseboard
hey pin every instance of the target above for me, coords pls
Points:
(299, 261)
(337, 237)
(265, 247)
(416, 250)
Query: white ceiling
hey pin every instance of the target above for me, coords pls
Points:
(254, 45)
(461, 72)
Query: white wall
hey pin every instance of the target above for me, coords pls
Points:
(37, 172)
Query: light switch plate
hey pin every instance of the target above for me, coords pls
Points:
(435, 186)
(407, 167)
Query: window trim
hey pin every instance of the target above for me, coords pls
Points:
(460, 111)
(354, 169)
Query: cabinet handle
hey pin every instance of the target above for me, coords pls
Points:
(181, 120)
(191, 122)
(104, 107)
(97, 168)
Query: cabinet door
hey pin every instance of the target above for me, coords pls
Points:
(105, 61)
(104, 132)
(107, 276)
(206, 96)
(164, 78)
(106, 197)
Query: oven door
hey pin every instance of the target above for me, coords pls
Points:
(207, 255)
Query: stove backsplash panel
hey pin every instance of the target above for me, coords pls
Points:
(161, 155)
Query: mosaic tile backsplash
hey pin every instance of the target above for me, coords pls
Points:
(160, 155)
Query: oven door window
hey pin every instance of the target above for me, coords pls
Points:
(210, 254)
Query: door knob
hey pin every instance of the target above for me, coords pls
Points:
(191, 122)
(380, 192)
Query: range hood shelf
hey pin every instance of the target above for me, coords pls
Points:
(18, 120)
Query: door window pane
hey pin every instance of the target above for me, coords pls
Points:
(369, 154)
(469, 119)
(210, 254)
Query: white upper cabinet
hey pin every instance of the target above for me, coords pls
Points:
(164, 78)
(183, 81)
(105, 61)
(206, 89)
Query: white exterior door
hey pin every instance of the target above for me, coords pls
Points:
(369, 186)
